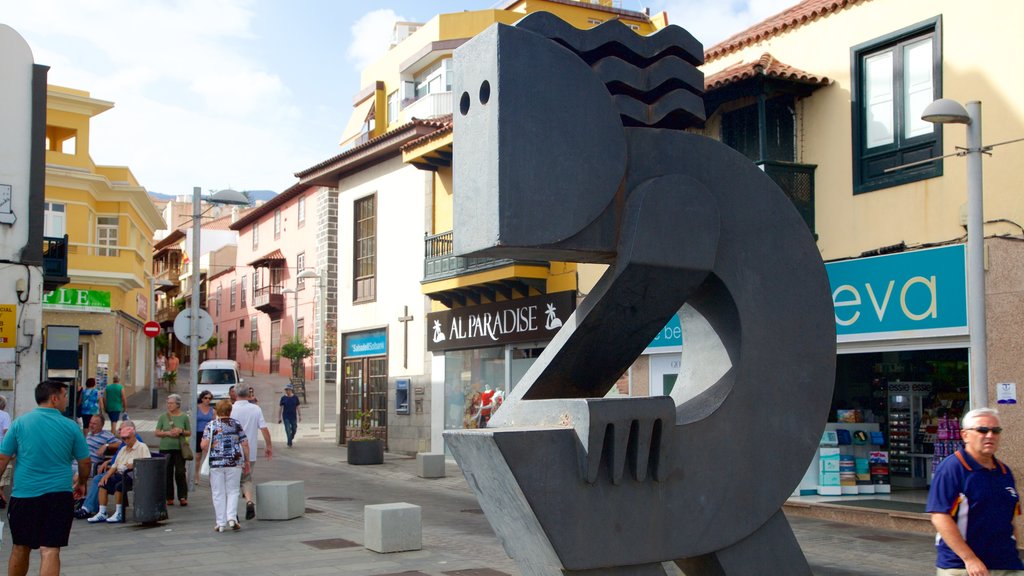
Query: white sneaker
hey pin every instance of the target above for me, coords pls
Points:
(99, 517)
(116, 518)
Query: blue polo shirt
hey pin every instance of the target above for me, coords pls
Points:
(45, 443)
(983, 503)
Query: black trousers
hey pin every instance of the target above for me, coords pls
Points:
(176, 474)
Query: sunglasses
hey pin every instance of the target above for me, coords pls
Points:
(985, 430)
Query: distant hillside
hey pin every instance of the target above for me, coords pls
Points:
(256, 195)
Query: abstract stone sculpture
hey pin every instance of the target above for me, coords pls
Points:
(569, 146)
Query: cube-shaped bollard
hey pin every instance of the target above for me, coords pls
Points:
(393, 527)
(280, 500)
(430, 464)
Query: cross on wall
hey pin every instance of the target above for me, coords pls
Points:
(405, 319)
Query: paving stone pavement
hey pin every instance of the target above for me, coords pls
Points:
(328, 539)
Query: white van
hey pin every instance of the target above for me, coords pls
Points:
(218, 376)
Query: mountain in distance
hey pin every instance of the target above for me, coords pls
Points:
(255, 195)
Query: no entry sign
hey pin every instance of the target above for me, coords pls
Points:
(151, 329)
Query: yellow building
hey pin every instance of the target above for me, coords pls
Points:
(828, 98)
(109, 220)
(401, 122)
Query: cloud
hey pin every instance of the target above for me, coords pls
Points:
(712, 22)
(371, 37)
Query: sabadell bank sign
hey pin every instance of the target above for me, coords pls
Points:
(532, 319)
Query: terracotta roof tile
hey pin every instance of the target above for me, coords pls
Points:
(444, 129)
(793, 17)
(766, 65)
(273, 256)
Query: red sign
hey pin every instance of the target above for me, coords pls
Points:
(151, 329)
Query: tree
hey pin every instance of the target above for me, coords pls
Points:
(162, 342)
(296, 350)
(252, 348)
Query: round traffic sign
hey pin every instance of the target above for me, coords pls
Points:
(151, 329)
(183, 326)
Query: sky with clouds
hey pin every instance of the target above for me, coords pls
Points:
(244, 93)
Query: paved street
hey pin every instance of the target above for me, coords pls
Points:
(457, 540)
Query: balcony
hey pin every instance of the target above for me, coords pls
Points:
(797, 181)
(268, 299)
(440, 263)
(55, 262)
(166, 314)
(428, 106)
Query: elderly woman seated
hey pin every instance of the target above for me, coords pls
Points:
(119, 476)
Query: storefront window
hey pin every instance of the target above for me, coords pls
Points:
(471, 377)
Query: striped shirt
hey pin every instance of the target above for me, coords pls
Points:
(95, 441)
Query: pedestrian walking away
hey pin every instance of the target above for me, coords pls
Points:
(113, 401)
(41, 508)
(250, 416)
(228, 446)
(288, 413)
(172, 428)
(89, 402)
(972, 502)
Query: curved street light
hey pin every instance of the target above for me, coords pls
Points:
(321, 353)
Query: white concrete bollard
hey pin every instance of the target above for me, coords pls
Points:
(430, 465)
(280, 500)
(393, 527)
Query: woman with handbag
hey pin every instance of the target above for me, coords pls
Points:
(172, 428)
(205, 414)
(228, 449)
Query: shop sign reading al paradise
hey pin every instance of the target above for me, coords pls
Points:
(537, 318)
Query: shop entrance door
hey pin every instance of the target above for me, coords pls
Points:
(275, 346)
(232, 345)
(366, 391)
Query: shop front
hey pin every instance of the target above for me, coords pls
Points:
(364, 385)
(482, 351)
(902, 375)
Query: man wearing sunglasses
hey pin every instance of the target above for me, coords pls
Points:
(973, 501)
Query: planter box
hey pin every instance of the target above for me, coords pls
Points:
(362, 452)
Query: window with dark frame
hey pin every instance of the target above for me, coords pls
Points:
(894, 78)
(300, 265)
(365, 249)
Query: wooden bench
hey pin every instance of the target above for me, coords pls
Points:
(299, 387)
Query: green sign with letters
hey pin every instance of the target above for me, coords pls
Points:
(77, 300)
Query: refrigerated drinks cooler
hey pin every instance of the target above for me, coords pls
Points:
(909, 463)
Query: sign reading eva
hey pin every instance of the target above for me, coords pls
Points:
(537, 318)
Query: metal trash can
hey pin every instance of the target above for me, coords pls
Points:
(148, 504)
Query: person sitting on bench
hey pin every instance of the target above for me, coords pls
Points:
(119, 476)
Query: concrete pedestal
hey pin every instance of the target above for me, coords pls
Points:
(280, 500)
(393, 527)
(430, 465)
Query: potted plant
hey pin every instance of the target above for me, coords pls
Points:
(364, 447)
(170, 378)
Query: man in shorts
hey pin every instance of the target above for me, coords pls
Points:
(42, 506)
(250, 416)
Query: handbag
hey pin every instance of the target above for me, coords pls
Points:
(186, 450)
(204, 470)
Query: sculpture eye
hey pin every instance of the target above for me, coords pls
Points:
(485, 92)
(464, 103)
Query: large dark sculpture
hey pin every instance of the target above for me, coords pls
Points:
(569, 146)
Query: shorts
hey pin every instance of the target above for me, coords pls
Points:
(42, 521)
(245, 481)
(114, 483)
(114, 416)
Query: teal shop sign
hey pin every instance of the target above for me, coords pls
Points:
(373, 343)
(77, 300)
(670, 339)
(907, 295)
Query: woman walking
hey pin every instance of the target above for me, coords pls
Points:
(90, 403)
(229, 457)
(172, 428)
(205, 413)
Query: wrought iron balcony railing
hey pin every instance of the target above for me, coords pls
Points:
(797, 181)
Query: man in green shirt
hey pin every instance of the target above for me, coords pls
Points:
(113, 401)
(41, 509)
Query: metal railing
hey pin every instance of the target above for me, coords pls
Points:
(428, 106)
(55, 256)
(439, 262)
(797, 181)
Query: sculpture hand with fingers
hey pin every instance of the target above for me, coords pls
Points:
(570, 146)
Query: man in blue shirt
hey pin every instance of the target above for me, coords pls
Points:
(288, 412)
(973, 501)
(40, 512)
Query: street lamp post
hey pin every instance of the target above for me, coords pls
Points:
(321, 353)
(946, 111)
(230, 197)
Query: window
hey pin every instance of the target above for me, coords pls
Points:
(894, 79)
(740, 130)
(241, 293)
(255, 235)
(106, 235)
(300, 329)
(234, 291)
(300, 265)
(218, 299)
(254, 333)
(437, 78)
(277, 224)
(54, 219)
(255, 284)
(365, 249)
(301, 208)
(393, 107)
